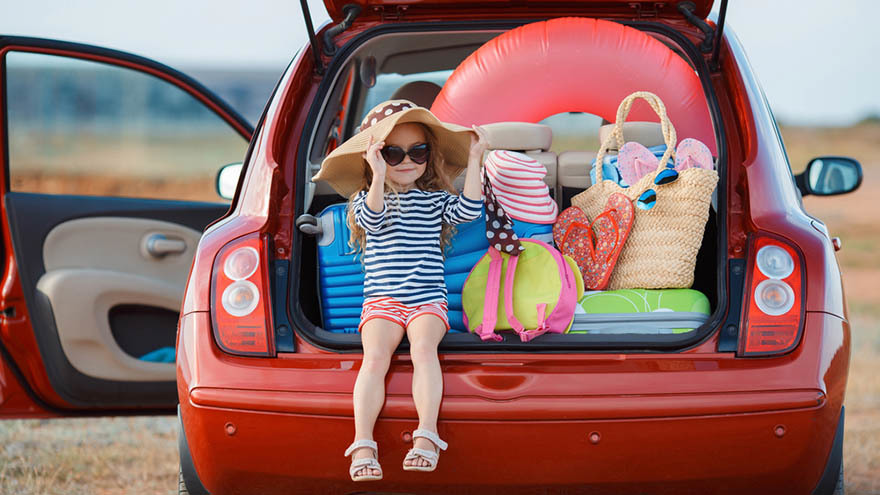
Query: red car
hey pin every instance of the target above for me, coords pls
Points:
(750, 401)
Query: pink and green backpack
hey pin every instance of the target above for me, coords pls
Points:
(532, 293)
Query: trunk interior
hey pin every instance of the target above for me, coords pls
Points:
(414, 64)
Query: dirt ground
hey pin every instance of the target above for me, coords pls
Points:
(139, 454)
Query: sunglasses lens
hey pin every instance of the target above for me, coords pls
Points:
(666, 176)
(393, 155)
(419, 153)
(647, 200)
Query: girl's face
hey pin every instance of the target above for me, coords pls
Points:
(405, 136)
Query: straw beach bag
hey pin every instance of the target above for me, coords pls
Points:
(670, 215)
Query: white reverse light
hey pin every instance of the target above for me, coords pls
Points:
(775, 262)
(242, 263)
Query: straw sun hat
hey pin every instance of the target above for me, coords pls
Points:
(344, 167)
(518, 184)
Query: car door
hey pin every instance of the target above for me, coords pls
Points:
(109, 164)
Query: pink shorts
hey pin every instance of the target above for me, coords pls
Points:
(390, 309)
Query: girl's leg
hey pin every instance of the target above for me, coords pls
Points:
(379, 337)
(425, 333)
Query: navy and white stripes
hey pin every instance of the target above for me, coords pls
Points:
(402, 257)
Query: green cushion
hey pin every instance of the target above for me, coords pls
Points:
(629, 301)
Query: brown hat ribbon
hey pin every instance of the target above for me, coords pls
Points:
(499, 226)
(380, 113)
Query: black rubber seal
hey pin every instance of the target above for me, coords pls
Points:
(828, 481)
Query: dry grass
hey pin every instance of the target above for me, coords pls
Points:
(89, 456)
(861, 456)
(139, 455)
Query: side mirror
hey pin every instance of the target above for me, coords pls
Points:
(829, 176)
(227, 179)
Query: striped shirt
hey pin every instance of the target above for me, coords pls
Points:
(403, 258)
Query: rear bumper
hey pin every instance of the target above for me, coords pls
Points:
(687, 424)
(545, 409)
(274, 452)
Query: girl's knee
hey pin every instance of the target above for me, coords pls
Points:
(376, 362)
(423, 352)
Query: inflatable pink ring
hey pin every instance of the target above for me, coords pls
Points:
(570, 65)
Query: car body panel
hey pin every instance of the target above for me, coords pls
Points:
(773, 202)
(51, 358)
(816, 366)
(692, 401)
(680, 400)
(267, 188)
(687, 455)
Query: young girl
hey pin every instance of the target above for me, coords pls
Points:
(401, 215)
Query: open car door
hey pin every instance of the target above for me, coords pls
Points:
(109, 163)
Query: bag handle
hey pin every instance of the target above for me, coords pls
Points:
(486, 329)
(617, 132)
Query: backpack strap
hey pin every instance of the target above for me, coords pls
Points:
(486, 329)
(524, 335)
(527, 335)
(508, 295)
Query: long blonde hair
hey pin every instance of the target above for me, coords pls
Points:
(432, 180)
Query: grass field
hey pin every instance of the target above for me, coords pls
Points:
(139, 454)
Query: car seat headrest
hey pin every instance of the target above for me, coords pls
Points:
(422, 93)
(646, 133)
(519, 136)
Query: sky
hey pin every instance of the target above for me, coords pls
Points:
(816, 59)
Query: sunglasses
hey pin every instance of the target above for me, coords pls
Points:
(648, 199)
(393, 155)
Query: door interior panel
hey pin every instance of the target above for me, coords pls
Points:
(139, 329)
(81, 301)
(103, 280)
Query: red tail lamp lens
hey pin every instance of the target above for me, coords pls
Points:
(774, 308)
(240, 299)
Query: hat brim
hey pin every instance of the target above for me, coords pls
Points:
(344, 167)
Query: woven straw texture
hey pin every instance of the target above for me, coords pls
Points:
(662, 247)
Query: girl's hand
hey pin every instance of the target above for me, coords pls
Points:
(479, 143)
(374, 158)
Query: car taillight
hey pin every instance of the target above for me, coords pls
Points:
(775, 299)
(239, 298)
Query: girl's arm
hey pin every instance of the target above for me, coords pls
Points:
(479, 143)
(376, 195)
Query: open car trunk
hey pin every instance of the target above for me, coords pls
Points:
(383, 63)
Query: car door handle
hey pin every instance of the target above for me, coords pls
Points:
(159, 246)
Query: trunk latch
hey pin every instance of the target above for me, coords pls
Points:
(646, 10)
(388, 15)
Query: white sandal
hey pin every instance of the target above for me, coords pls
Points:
(431, 456)
(367, 462)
